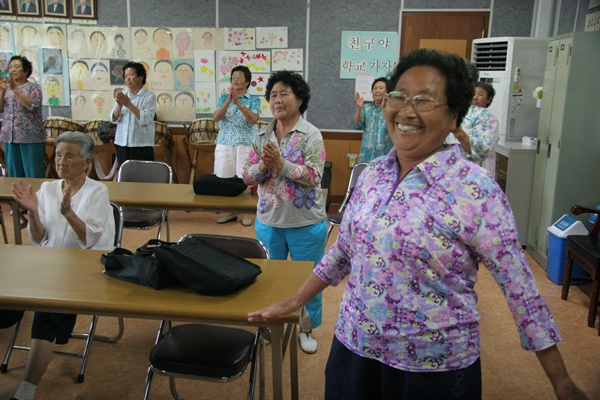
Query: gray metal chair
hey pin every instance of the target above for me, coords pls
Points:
(145, 171)
(336, 219)
(210, 352)
(88, 336)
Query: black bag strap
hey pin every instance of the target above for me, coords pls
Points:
(147, 249)
(118, 252)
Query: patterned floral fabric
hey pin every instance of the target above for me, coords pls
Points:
(476, 125)
(234, 128)
(22, 125)
(490, 162)
(292, 197)
(412, 249)
(375, 139)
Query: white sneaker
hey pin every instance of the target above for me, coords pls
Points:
(308, 343)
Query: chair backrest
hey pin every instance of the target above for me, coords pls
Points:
(240, 246)
(356, 171)
(118, 215)
(145, 171)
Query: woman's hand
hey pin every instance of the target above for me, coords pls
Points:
(358, 100)
(65, 204)
(271, 157)
(3, 85)
(25, 196)
(123, 100)
(276, 310)
(13, 84)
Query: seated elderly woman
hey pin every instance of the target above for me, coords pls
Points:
(73, 211)
(419, 224)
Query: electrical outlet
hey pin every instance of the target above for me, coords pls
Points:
(352, 157)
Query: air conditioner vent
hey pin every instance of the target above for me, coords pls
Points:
(490, 56)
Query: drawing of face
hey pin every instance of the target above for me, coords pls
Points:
(184, 102)
(119, 41)
(207, 37)
(97, 39)
(5, 43)
(52, 87)
(29, 36)
(80, 101)
(162, 38)
(3, 63)
(164, 100)
(55, 36)
(99, 102)
(100, 75)
(184, 74)
(79, 70)
(182, 42)
(117, 71)
(164, 73)
(140, 37)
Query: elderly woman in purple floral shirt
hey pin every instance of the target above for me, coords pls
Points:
(23, 127)
(420, 222)
(286, 162)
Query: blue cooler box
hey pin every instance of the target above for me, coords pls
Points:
(557, 248)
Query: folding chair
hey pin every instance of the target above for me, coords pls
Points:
(336, 219)
(145, 171)
(90, 335)
(210, 352)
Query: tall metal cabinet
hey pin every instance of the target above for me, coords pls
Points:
(567, 165)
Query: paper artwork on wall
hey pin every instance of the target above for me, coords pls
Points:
(162, 41)
(52, 91)
(208, 38)
(102, 102)
(258, 84)
(272, 37)
(265, 108)
(206, 97)
(183, 39)
(185, 106)
(141, 43)
(240, 39)
(52, 61)
(162, 77)
(80, 105)
(288, 59)
(54, 37)
(256, 61)
(205, 65)
(164, 106)
(184, 75)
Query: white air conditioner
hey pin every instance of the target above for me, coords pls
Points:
(515, 67)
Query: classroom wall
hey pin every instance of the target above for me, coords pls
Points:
(331, 105)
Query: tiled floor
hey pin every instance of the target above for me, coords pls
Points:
(117, 371)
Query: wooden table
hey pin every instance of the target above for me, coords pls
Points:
(71, 280)
(146, 195)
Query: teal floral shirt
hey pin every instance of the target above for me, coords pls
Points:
(292, 197)
(476, 125)
(412, 249)
(234, 128)
(375, 139)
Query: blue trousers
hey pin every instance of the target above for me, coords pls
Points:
(25, 160)
(306, 243)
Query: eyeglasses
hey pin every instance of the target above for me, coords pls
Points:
(399, 100)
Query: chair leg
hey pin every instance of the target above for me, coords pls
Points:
(102, 338)
(567, 278)
(173, 389)
(87, 349)
(149, 375)
(594, 305)
(11, 343)
(3, 227)
(329, 232)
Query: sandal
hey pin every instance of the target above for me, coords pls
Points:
(229, 218)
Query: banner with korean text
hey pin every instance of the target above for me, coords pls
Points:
(373, 53)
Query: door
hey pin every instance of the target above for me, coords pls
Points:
(448, 31)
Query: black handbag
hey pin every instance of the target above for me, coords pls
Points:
(106, 131)
(207, 269)
(142, 267)
(212, 185)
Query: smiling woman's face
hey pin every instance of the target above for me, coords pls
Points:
(417, 135)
